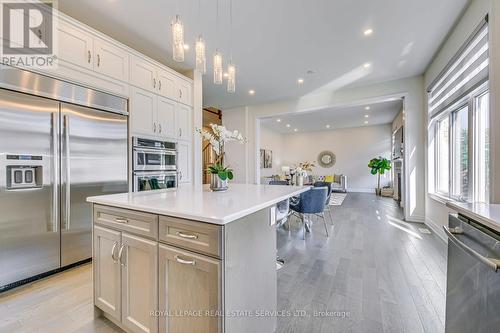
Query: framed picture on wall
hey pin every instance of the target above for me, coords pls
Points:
(268, 159)
(262, 155)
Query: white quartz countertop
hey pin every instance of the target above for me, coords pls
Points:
(200, 204)
(486, 214)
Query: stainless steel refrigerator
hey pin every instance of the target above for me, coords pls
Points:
(59, 144)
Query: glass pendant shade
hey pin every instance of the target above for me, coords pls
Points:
(231, 78)
(218, 68)
(177, 39)
(201, 60)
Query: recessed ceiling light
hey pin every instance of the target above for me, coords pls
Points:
(186, 47)
(288, 125)
(367, 108)
(366, 121)
(368, 32)
(295, 130)
(226, 75)
(367, 65)
(327, 126)
(300, 81)
(251, 92)
(278, 120)
(367, 116)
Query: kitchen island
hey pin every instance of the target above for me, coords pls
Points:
(189, 259)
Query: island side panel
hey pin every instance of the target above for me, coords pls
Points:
(250, 281)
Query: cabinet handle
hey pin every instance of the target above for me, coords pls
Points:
(154, 127)
(154, 83)
(98, 60)
(180, 93)
(121, 220)
(159, 84)
(180, 132)
(120, 253)
(184, 261)
(113, 252)
(188, 236)
(159, 128)
(180, 174)
(89, 56)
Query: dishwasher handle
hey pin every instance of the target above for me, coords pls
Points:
(494, 264)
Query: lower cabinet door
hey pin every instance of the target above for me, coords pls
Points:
(139, 284)
(107, 280)
(190, 292)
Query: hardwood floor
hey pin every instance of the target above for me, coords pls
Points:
(375, 273)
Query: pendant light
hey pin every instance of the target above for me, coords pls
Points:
(178, 39)
(200, 49)
(231, 69)
(201, 60)
(218, 68)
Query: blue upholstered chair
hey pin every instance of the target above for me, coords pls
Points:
(327, 204)
(310, 203)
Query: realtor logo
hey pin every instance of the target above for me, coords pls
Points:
(28, 33)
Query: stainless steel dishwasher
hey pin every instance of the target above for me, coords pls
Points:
(473, 277)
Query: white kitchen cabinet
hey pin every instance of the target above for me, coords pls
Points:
(139, 276)
(76, 46)
(166, 84)
(184, 161)
(111, 60)
(183, 118)
(189, 282)
(143, 74)
(184, 91)
(165, 117)
(107, 277)
(143, 105)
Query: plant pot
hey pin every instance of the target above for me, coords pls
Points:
(217, 184)
(378, 191)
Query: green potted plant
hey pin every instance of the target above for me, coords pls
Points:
(378, 166)
(218, 137)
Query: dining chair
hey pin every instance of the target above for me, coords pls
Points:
(328, 208)
(311, 202)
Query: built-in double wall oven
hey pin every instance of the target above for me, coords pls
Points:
(154, 164)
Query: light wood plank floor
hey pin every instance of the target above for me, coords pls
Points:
(375, 273)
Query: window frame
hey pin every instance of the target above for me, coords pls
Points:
(467, 101)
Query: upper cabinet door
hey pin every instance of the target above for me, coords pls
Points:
(184, 91)
(143, 74)
(75, 46)
(111, 60)
(165, 117)
(183, 119)
(107, 280)
(142, 111)
(140, 284)
(166, 84)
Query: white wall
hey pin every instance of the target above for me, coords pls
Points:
(353, 148)
(411, 88)
(436, 212)
(272, 140)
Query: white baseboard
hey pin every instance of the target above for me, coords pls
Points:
(436, 229)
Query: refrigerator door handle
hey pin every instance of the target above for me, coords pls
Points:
(67, 183)
(55, 171)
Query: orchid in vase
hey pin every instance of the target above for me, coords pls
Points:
(218, 137)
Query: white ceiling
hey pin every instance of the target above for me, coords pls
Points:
(341, 117)
(276, 42)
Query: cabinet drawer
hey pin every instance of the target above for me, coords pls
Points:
(197, 236)
(138, 223)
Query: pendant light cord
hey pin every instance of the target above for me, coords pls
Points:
(231, 31)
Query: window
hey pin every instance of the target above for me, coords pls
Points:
(459, 149)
